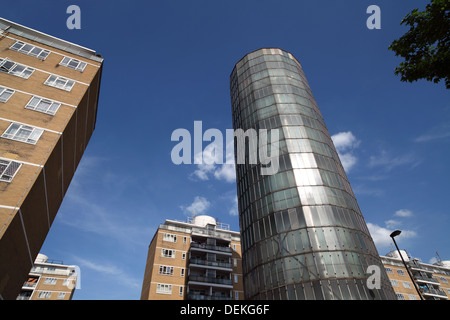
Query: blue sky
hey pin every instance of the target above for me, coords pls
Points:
(167, 64)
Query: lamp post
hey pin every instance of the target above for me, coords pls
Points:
(393, 235)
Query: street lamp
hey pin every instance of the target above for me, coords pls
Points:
(393, 235)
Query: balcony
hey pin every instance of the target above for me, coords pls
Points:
(210, 280)
(23, 296)
(426, 279)
(193, 296)
(204, 246)
(433, 293)
(216, 264)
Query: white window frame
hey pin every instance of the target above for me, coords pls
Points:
(36, 103)
(394, 283)
(182, 272)
(73, 63)
(163, 288)
(44, 294)
(6, 91)
(51, 281)
(60, 82)
(406, 285)
(168, 253)
(61, 295)
(170, 237)
(30, 50)
(33, 132)
(25, 73)
(166, 270)
(400, 272)
(4, 175)
(400, 296)
(180, 291)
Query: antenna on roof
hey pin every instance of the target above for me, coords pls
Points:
(439, 260)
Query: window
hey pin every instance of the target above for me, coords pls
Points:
(400, 296)
(164, 288)
(30, 50)
(8, 169)
(60, 82)
(388, 270)
(43, 105)
(170, 237)
(44, 295)
(181, 291)
(5, 94)
(182, 272)
(183, 256)
(23, 133)
(412, 297)
(406, 285)
(400, 272)
(394, 283)
(50, 281)
(184, 240)
(443, 280)
(235, 262)
(67, 282)
(15, 69)
(236, 295)
(235, 278)
(166, 270)
(168, 253)
(73, 63)
(61, 295)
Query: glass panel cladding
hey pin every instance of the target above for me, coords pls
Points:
(303, 234)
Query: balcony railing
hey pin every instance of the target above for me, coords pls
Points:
(29, 284)
(211, 280)
(426, 279)
(193, 296)
(211, 247)
(436, 292)
(212, 233)
(211, 263)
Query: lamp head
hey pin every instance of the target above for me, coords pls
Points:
(395, 233)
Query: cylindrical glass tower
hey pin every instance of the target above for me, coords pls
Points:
(303, 235)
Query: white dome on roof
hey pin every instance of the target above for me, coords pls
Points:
(41, 258)
(394, 254)
(203, 220)
(445, 263)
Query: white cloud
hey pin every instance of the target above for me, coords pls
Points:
(234, 211)
(345, 143)
(199, 206)
(439, 132)
(389, 162)
(381, 235)
(107, 270)
(392, 224)
(403, 213)
(212, 165)
(226, 172)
